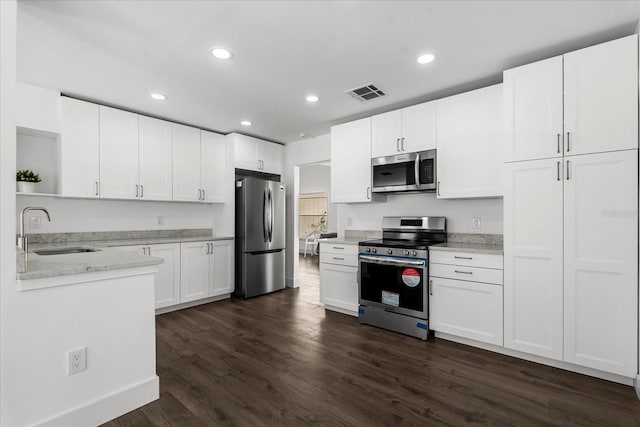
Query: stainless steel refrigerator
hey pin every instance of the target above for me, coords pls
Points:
(260, 239)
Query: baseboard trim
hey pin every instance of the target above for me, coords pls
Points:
(292, 282)
(542, 360)
(108, 407)
(637, 386)
(340, 310)
(191, 304)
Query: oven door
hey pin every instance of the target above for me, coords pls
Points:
(394, 284)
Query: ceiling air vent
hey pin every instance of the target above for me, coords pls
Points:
(365, 93)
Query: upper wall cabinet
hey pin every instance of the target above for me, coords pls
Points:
(257, 155)
(118, 154)
(213, 167)
(79, 148)
(598, 112)
(351, 163)
(470, 144)
(37, 109)
(156, 159)
(409, 130)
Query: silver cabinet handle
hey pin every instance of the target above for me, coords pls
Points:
(339, 259)
(211, 248)
(402, 144)
(558, 139)
(463, 272)
(204, 194)
(568, 170)
(558, 171)
(137, 191)
(568, 142)
(462, 257)
(398, 145)
(141, 191)
(338, 247)
(144, 250)
(416, 170)
(97, 188)
(438, 188)
(431, 287)
(149, 250)
(368, 193)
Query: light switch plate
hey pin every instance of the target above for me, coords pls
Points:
(34, 222)
(476, 222)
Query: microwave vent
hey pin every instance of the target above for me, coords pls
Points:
(366, 92)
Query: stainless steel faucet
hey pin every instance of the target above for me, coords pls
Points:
(22, 238)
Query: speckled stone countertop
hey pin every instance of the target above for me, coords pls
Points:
(106, 257)
(479, 248)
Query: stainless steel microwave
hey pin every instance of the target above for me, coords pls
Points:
(404, 172)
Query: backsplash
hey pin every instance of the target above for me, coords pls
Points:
(116, 235)
(485, 239)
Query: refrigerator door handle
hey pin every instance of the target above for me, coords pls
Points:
(265, 227)
(271, 215)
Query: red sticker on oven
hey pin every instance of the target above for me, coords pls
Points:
(411, 277)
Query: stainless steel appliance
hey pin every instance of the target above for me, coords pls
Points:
(260, 239)
(393, 274)
(405, 172)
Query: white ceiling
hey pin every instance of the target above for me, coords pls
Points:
(117, 52)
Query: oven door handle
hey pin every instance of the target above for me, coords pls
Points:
(391, 261)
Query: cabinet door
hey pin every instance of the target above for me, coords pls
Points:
(351, 162)
(195, 268)
(533, 289)
(470, 144)
(272, 157)
(118, 154)
(79, 148)
(213, 166)
(419, 127)
(156, 159)
(186, 163)
(223, 267)
(339, 286)
(601, 261)
(601, 97)
(168, 276)
(533, 110)
(246, 152)
(466, 309)
(386, 131)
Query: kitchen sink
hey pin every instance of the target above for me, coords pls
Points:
(64, 251)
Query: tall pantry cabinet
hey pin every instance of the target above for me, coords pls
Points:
(571, 207)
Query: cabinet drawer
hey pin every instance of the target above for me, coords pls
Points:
(338, 248)
(473, 274)
(339, 259)
(466, 258)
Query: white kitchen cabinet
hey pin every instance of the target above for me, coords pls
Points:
(601, 97)
(155, 159)
(257, 155)
(533, 269)
(167, 280)
(186, 163)
(339, 277)
(598, 112)
(351, 163)
(79, 148)
(571, 290)
(408, 130)
(469, 133)
(223, 268)
(195, 271)
(213, 167)
(118, 154)
(600, 261)
(37, 109)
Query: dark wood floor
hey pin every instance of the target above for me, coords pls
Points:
(282, 360)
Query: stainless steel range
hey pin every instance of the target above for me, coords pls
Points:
(393, 274)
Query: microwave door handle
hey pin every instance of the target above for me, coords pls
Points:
(416, 170)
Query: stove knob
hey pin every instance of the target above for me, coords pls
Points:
(406, 252)
(415, 253)
(374, 250)
(389, 251)
(368, 249)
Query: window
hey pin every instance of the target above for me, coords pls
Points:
(313, 213)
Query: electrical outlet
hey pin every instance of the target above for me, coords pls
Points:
(160, 220)
(476, 222)
(34, 222)
(76, 360)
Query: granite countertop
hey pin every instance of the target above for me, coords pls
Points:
(479, 248)
(105, 259)
(158, 240)
(341, 240)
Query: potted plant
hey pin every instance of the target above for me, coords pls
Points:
(27, 180)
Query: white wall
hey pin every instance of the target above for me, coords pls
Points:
(459, 212)
(7, 196)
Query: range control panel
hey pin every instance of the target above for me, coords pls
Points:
(397, 252)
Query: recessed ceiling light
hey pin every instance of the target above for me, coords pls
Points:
(246, 123)
(221, 53)
(312, 98)
(425, 59)
(158, 96)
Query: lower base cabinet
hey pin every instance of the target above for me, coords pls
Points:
(339, 277)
